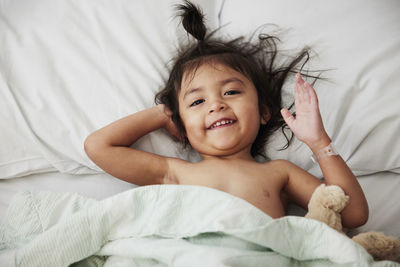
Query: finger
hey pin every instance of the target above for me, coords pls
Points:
(306, 92)
(297, 94)
(299, 79)
(288, 117)
(304, 89)
(296, 90)
(301, 93)
(312, 94)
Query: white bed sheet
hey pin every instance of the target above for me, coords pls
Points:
(381, 190)
(97, 186)
(70, 67)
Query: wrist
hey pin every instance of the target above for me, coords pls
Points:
(320, 143)
(327, 151)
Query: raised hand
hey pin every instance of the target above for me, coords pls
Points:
(307, 126)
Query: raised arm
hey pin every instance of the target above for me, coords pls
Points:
(109, 147)
(308, 128)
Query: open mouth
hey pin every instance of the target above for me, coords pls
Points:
(221, 123)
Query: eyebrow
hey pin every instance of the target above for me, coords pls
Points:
(221, 83)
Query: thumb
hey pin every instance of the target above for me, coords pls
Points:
(288, 117)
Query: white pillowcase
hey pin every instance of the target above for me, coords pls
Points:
(359, 40)
(68, 68)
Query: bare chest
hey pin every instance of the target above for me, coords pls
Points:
(252, 183)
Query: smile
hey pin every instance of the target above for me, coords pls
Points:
(224, 122)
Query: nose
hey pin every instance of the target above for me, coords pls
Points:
(216, 106)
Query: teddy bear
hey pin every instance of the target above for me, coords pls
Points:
(325, 205)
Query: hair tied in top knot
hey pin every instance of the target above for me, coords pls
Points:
(192, 20)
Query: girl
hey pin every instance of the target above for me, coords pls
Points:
(224, 99)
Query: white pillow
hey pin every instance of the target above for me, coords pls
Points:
(359, 40)
(71, 67)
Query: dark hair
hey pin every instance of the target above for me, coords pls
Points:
(257, 61)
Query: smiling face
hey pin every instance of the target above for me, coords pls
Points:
(219, 109)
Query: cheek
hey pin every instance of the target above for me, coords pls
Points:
(252, 112)
(253, 117)
(189, 122)
(194, 127)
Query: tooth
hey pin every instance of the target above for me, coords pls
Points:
(218, 124)
(223, 122)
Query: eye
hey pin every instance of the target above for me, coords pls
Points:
(232, 92)
(197, 102)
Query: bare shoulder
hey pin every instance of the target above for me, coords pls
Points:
(298, 184)
(284, 166)
(286, 171)
(279, 163)
(280, 166)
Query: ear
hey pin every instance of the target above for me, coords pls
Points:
(265, 115)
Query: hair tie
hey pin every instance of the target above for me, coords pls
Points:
(200, 45)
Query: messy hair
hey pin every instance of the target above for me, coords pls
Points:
(257, 61)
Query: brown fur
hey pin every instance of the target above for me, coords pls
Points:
(325, 205)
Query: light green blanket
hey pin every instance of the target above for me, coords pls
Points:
(165, 225)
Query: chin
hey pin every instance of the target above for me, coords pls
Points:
(226, 148)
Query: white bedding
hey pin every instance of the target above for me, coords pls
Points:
(166, 225)
(380, 189)
(70, 67)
